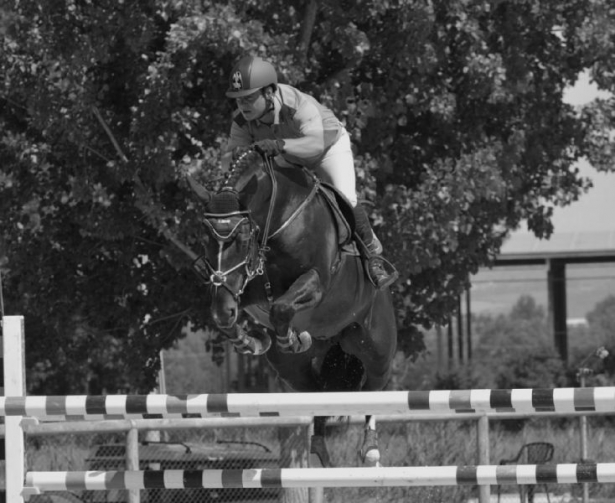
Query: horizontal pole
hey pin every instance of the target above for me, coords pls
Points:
(600, 399)
(324, 477)
(61, 426)
(124, 425)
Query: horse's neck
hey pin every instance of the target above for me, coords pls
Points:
(290, 190)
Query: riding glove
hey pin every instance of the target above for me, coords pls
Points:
(270, 148)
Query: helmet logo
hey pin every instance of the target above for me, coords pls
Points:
(237, 81)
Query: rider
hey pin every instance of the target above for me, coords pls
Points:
(281, 121)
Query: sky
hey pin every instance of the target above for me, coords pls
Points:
(497, 290)
(599, 202)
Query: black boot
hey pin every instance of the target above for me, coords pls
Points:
(373, 251)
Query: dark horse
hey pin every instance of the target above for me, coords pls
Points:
(278, 254)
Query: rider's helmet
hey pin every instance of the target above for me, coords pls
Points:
(249, 75)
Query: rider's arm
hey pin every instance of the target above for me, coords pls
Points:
(311, 143)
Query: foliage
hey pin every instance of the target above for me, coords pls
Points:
(601, 326)
(601, 321)
(531, 368)
(513, 350)
(525, 326)
(188, 368)
(455, 109)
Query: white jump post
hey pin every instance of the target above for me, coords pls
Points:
(14, 386)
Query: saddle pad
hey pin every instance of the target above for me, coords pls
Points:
(341, 211)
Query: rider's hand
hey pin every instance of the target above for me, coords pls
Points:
(269, 148)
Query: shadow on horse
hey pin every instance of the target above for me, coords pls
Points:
(288, 282)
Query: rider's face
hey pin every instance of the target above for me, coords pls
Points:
(252, 106)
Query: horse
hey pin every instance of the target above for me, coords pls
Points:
(283, 264)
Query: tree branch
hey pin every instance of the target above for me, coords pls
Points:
(119, 151)
(307, 28)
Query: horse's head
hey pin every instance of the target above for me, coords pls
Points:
(232, 257)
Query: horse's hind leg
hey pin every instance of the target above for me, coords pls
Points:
(369, 453)
(319, 455)
(374, 342)
(377, 358)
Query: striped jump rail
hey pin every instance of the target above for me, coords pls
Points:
(323, 477)
(598, 399)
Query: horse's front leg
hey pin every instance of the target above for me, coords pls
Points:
(247, 342)
(304, 293)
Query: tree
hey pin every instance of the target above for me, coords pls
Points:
(601, 321)
(188, 369)
(525, 325)
(601, 334)
(515, 350)
(455, 110)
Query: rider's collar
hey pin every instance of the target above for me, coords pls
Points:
(277, 106)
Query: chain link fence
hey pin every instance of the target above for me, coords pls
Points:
(438, 443)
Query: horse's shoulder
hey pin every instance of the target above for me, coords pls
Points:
(301, 181)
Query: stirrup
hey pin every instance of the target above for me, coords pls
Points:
(388, 268)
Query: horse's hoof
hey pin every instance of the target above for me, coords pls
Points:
(319, 455)
(294, 343)
(262, 341)
(371, 458)
(369, 453)
(255, 342)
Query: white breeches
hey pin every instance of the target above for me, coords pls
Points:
(337, 168)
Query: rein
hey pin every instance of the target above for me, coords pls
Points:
(266, 236)
(300, 208)
(274, 193)
(263, 248)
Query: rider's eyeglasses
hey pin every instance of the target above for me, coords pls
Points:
(249, 99)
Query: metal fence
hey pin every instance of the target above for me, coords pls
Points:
(168, 450)
(434, 443)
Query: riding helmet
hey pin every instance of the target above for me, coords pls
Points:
(250, 74)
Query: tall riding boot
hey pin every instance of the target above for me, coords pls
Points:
(373, 247)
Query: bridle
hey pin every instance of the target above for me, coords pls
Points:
(225, 227)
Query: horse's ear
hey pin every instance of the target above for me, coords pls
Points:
(199, 189)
